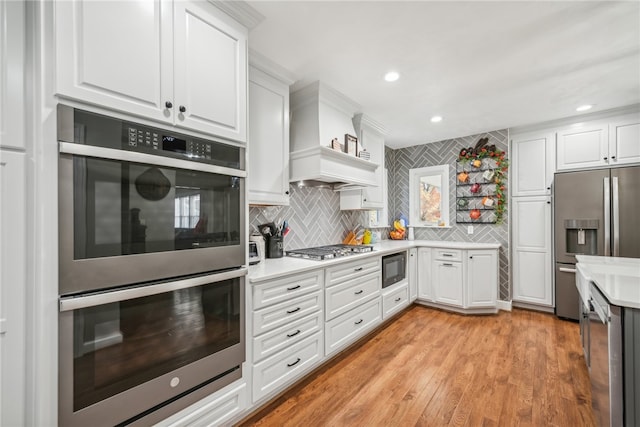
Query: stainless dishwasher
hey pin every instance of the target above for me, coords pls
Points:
(606, 360)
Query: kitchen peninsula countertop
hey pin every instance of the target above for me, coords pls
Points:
(272, 268)
(617, 278)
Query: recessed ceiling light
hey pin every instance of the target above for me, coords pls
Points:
(584, 107)
(436, 119)
(391, 76)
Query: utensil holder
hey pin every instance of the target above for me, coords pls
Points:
(274, 247)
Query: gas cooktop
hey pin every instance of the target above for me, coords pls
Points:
(321, 253)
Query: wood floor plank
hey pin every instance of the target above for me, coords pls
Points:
(431, 368)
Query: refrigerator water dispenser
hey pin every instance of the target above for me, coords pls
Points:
(581, 236)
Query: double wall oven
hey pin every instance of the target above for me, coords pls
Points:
(151, 269)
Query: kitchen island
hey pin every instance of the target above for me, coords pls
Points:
(609, 288)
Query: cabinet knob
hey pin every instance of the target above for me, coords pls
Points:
(364, 200)
(548, 188)
(613, 157)
(548, 202)
(605, 159)
(182, 108)
(168, 104)
(471, 257)
(286, 192)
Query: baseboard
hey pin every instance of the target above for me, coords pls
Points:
(503, 305)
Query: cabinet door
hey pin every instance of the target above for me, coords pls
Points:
(532, 273)
(413, 274)
(12, 288)
(624, 140)
(268, 146)
(447, 282)
(425, 286)
(532, 164)
(12, 54)
(116, 54)
(582, 147)
(373, 142)
(482, 278)
(210, 71)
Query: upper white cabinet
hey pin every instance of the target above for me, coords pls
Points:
(12, 55)
(268, 146)
(531, 242)
(182, 62)
(582, 146)
(532, 164)
(624, 140)
(370, 138)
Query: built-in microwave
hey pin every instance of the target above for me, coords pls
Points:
(394, 268)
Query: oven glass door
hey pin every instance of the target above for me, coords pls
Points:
(393, 268)
(118, 347)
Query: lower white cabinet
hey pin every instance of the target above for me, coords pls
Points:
(266, 319)
(425, 288)
(286, 366)
(281, 338)
(395, 299)
(459, 279)
(413, 274)
(531, 256)
(350, 294)
(345, 329)
(447, 282)
(214, 410)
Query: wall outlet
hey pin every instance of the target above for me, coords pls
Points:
(469, 229)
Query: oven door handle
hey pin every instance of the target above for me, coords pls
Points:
(149, 159)
(92, 300)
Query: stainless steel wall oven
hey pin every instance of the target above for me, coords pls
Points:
(151, 269)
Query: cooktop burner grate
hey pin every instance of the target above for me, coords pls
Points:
(321, 253)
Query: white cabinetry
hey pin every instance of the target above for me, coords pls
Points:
(12, 287)
(413, 274)
(624, 140)
(482, 278)
(532, 164)
(12, 56)
(425, 289)
(394, 299)
(268, 146)
(583, 146)
(287, 330)
(370, 137)
(464, 280)
(353, 306)
(532, 266)
(182, 63)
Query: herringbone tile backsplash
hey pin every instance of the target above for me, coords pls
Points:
(315, 217)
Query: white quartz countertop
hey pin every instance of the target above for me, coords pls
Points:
(272, 268)
(617, 278)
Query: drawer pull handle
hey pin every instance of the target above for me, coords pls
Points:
(293, 334)
(359, 292)
(294, 288)
(294, 363)
(358, 269)
(447, 264)
(398, 299)
(293, 311)
(359, 321)
(447, 254)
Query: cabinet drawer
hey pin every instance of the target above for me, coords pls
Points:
(345, 329)
(448, 254)
(395, 300)
(343, 272)
(267, 319)
(279, 290)
(274, 341)
(345, 296)
(284, 367)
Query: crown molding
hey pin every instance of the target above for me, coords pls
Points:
(241, 12)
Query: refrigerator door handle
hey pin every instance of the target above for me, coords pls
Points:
(616, 216)
(607, 217)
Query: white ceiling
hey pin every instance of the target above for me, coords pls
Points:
(481, 65)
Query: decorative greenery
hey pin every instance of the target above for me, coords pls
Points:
(500, 173)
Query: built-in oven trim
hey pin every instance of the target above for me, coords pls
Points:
(136, 400)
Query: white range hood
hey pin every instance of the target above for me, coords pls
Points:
(318, 115)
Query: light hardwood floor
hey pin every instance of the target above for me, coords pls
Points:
(429, 368)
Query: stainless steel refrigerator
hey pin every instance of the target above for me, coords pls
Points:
(596, 212)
